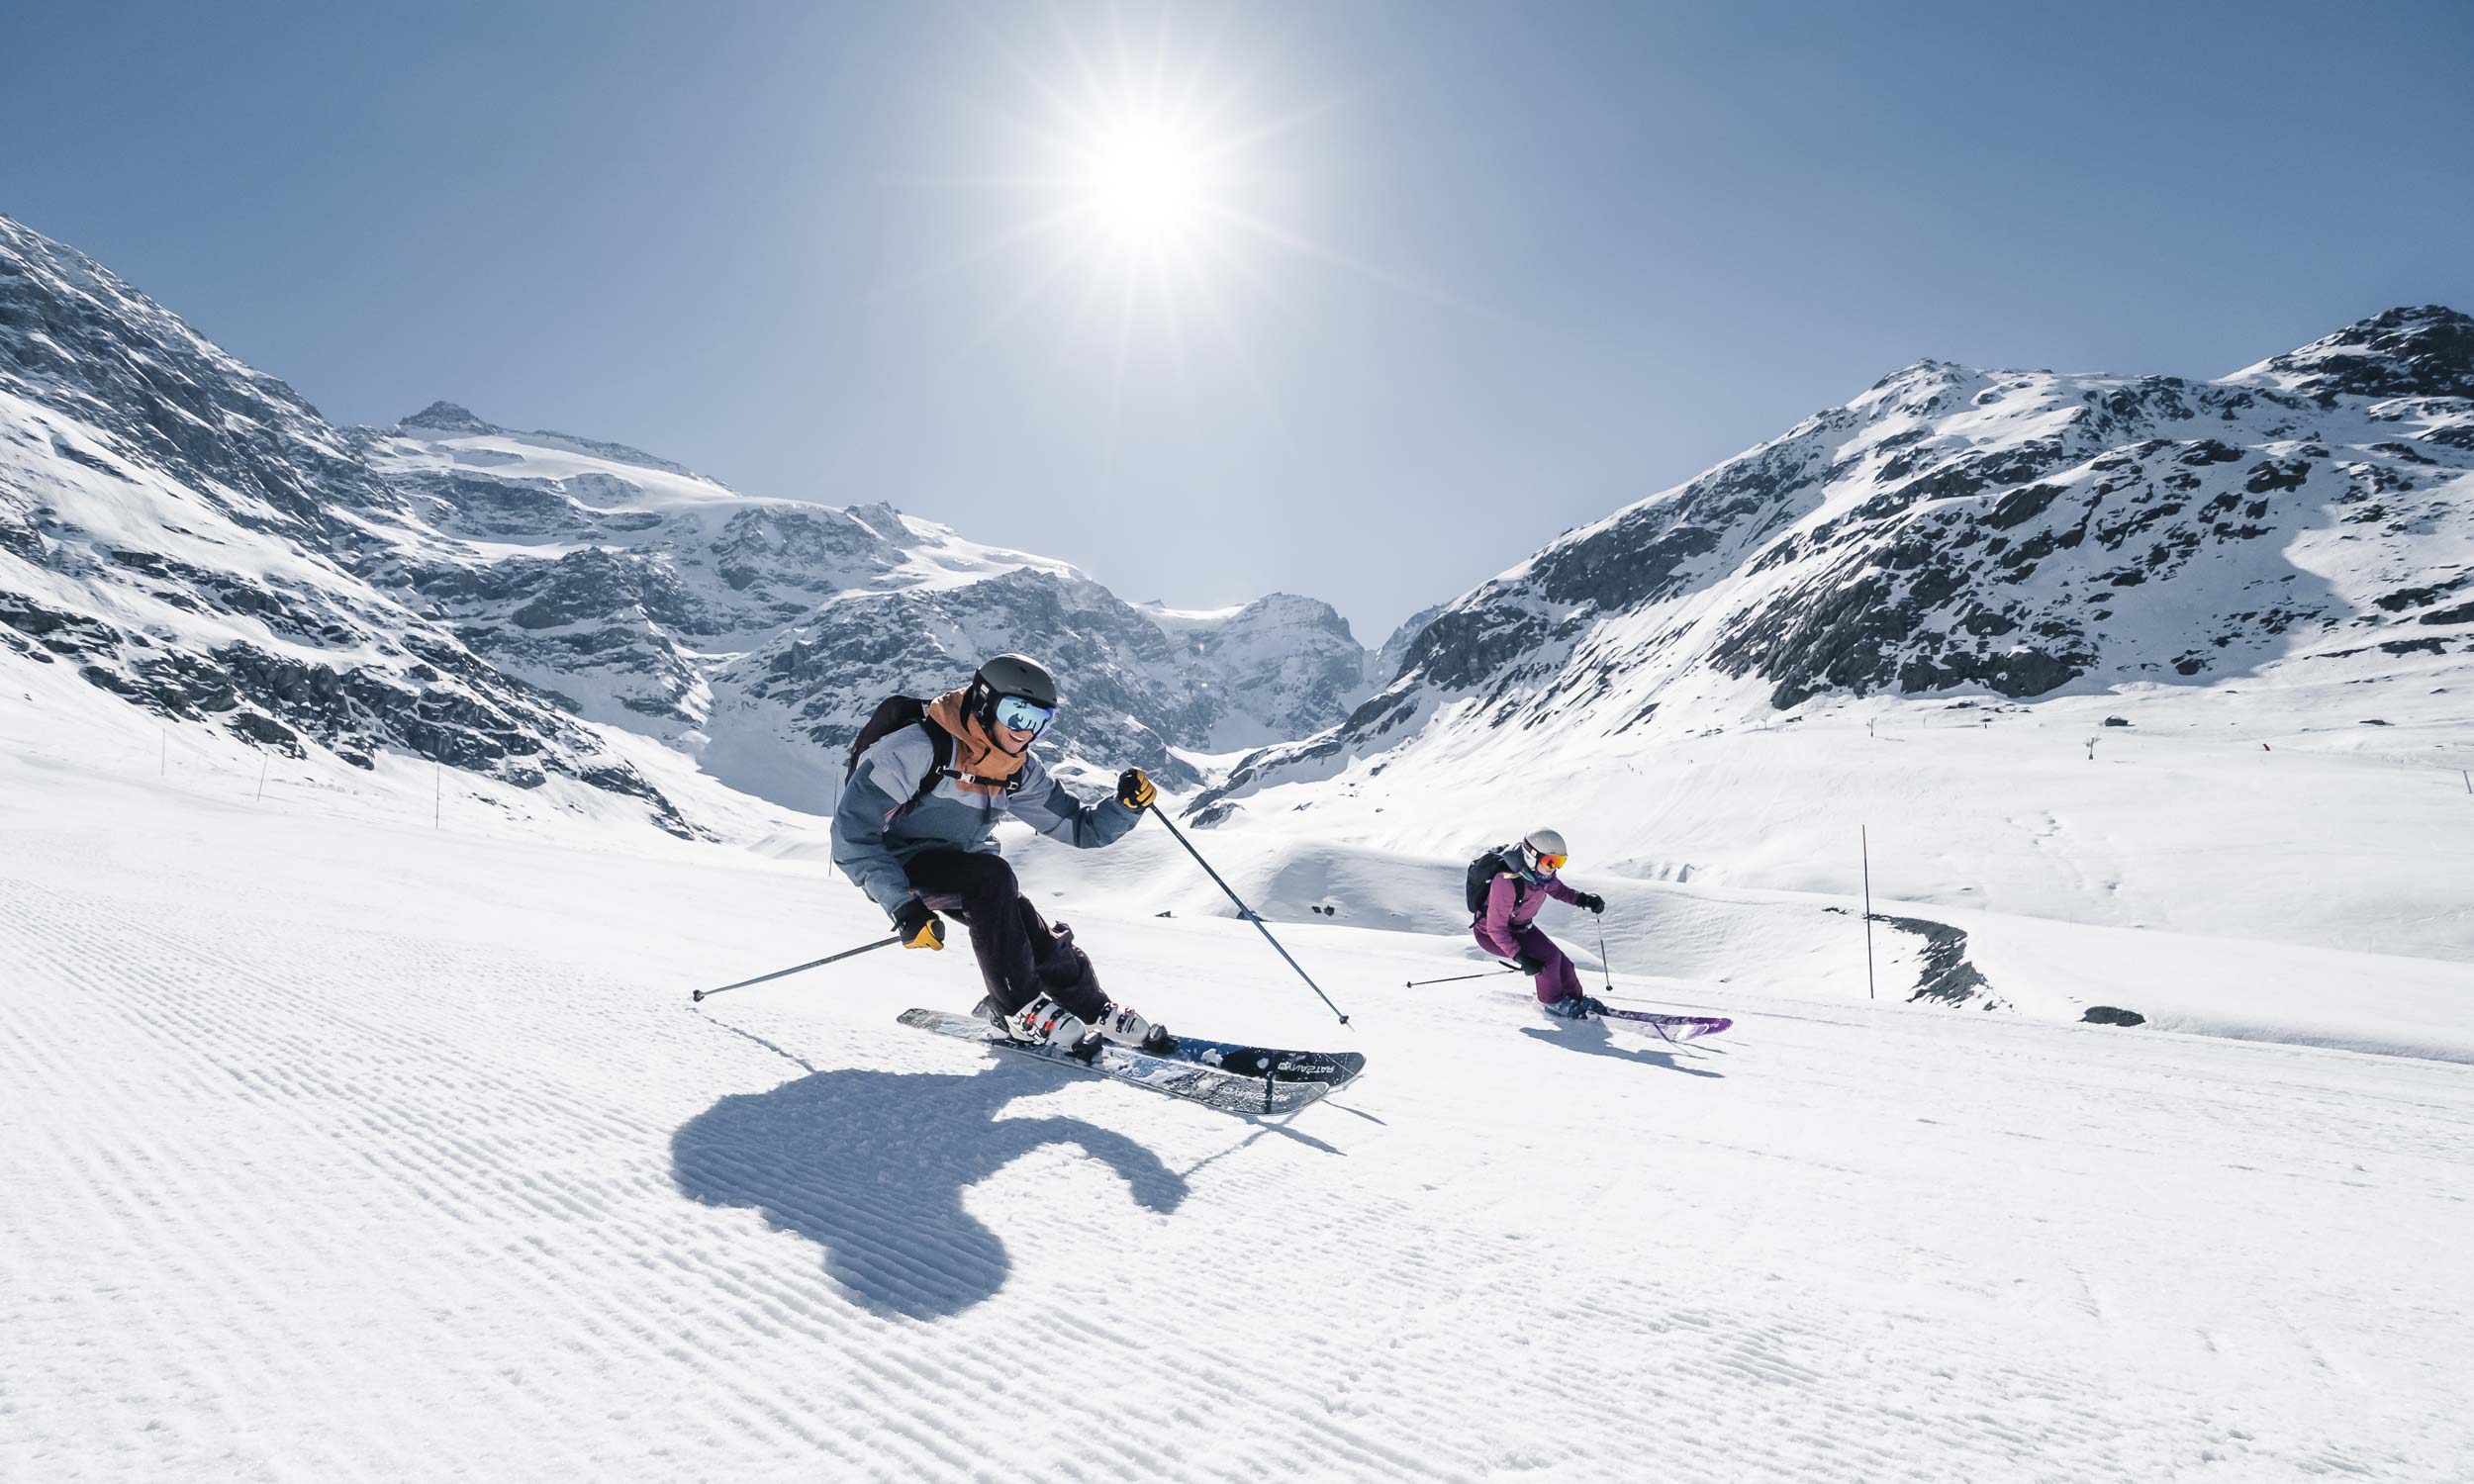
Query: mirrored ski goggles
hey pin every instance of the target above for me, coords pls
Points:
(1016, 714)
(1552, 864)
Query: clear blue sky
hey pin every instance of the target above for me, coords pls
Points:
(1448, 278)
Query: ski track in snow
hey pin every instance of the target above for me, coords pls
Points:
(322, 1175)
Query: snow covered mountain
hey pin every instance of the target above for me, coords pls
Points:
(190, 535)
(759, 633)
(198, 539)
(2289, 549)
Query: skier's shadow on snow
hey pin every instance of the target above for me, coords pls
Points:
(872, 1167)
(1590, 1036)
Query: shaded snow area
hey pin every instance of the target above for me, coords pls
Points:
(343, 1147)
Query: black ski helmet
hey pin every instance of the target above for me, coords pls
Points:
(1008, 674)
(1017, 675)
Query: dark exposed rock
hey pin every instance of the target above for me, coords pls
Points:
(446, 416)
(2110, 1015)
(2405, 352)
(1945, 974)
(266, 731)
(2021, 505)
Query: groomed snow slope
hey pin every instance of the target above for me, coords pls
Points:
(350, 1149)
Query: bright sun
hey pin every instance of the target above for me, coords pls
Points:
(1149, 192)
(1145, 184)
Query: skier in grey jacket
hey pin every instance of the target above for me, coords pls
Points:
(916, 829)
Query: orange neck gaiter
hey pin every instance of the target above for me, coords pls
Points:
(984, 766)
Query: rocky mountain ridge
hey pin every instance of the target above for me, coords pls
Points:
(759, 633)
(1957, 531)
(195, 538)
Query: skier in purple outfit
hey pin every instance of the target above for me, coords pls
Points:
(1506, 887)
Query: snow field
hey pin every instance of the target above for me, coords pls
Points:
(351, 1149)
(2270, 814)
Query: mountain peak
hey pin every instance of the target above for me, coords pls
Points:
(2425, 351)
(446, 416)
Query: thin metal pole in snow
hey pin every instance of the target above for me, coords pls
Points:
(1248, 913)
(1457, 977)
(2469, 779)
(262, 779)
(700, 995)
(1609, 971)
(1864, 836)
(438, 794)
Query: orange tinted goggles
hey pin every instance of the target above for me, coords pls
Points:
(1552, 862)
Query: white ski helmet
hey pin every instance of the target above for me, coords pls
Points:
(1543, 851)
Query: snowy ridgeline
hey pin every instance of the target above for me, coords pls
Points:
(187, 534)
(342, 1146)
(757, 634)
(2143, 652)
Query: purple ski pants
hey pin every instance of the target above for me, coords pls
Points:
(1559, 980)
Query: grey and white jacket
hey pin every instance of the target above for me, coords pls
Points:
(875, 828)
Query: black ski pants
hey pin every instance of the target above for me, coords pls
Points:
(1019, 952)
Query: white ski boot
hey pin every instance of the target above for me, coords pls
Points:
(1128, 1028)
(1042, 1022)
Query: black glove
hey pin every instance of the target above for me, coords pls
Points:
(1529, 966)
(919, 927)
(1134, 790)
(1591, 901)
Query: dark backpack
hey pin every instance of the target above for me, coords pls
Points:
(890, 715)
(1484, 871)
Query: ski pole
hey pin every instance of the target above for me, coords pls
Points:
(1608, 970)
(700, 995)
(1248, 913)
(1456, 979)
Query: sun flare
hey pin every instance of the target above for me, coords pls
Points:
(1145, 183)
(1146, 195)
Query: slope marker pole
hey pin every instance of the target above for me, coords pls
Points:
(1864, 836)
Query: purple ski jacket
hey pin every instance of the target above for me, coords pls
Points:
(1512, 904)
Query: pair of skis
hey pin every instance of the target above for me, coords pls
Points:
(1234, 1077)
(1672, 1027)
(1222, 1074)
